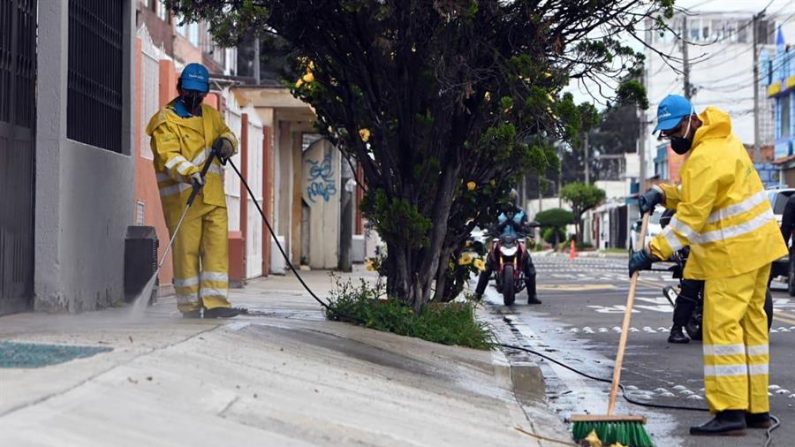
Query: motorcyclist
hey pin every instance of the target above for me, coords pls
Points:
(686, 299)
(511, 221)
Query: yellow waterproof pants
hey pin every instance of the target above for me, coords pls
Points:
(201, 257)
(736, 353)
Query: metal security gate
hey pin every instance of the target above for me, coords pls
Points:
(17, 150)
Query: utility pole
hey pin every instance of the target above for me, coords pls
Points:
(256, 60)
(756, 157)
(685, 61)
(587, 165)
(540, 194)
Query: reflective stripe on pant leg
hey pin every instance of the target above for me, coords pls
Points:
(756, 339)
(186, 263)
(725, 365)
(215, 259)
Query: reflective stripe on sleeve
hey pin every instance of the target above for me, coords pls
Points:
(183, 167)
(671, 238)
(173, 162)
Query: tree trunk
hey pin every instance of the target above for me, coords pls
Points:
(412, 270)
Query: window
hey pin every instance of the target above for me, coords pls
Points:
(731, 31)
(182, 28)
(162, 12)
(718, 29)
(193, 34)
(139, 212)
(785, 114)
(94, 98)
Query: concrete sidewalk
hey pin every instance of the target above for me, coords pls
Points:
(286, 377)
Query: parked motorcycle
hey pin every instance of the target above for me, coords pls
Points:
(694, 322)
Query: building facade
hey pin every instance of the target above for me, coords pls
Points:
(720, 66)
(778, 70)
(66, 145)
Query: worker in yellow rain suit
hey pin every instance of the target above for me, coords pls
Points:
(183, 135)
(723, 215)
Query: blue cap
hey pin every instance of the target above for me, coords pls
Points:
(671, 111)
(195, 77)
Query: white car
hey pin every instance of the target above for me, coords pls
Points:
(653, 230)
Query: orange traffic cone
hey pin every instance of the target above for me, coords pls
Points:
(573, 250)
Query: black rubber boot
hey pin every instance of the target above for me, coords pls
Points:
(222, 312)
(725, 423)
(533, 299)
(677, 336)
(758, 420)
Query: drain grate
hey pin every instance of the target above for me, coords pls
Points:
(36, 355)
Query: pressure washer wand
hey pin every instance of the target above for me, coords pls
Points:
(196, 188)
(140, 302)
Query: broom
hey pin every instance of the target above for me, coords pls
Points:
(612, 429)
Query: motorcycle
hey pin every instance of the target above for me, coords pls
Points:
(694, 324)
(509, 253)
(510, 275)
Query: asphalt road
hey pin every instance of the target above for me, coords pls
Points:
(579, 323)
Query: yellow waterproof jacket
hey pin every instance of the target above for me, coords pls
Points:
(180, 147)
(722, 211)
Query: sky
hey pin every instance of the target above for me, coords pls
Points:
(784, 9)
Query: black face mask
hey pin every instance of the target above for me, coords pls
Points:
(681, 145)
(192, 99)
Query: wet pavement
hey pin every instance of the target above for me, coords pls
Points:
(283, 376)
(579, 324)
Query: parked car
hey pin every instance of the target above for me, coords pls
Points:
(653, 230)
(784, 267)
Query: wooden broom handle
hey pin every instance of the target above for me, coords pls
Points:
(622, 343)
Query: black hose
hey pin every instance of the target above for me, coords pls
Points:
(284, 254)
(768, 433)
(520, 348)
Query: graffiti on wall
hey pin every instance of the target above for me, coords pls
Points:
(321, 179)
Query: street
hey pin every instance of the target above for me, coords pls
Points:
(579, 324)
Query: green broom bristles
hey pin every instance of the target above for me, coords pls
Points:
(628, 433)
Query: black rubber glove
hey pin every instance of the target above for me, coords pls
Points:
(223, 149)
(649, 199)
(639, 260)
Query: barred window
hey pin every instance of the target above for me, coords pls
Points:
(94, 102)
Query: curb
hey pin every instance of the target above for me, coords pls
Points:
(524, 378)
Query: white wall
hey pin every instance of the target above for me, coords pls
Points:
(83, 193)
(254, 224)
(233, 117)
